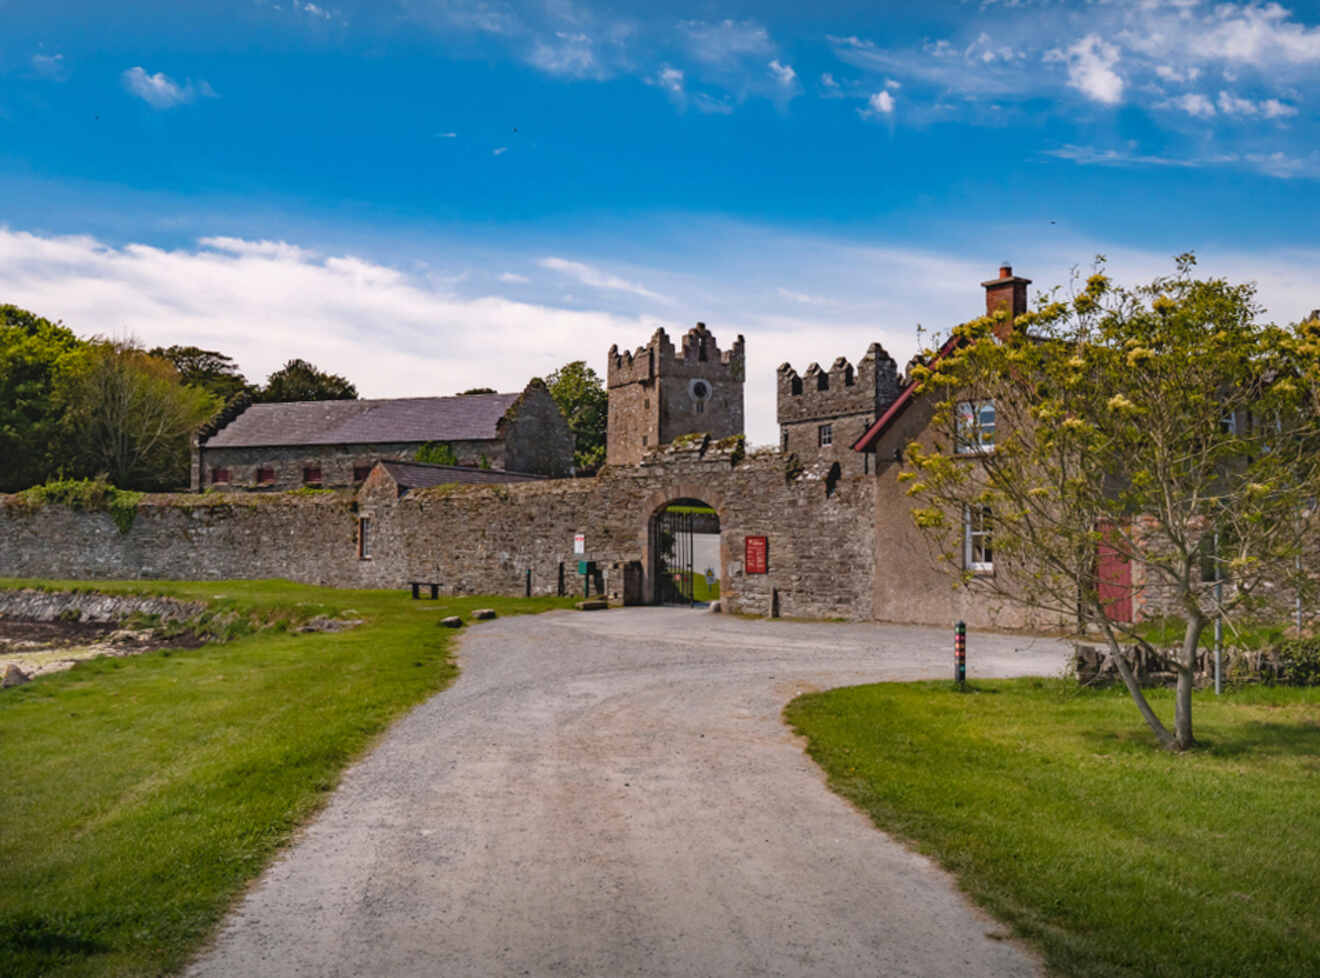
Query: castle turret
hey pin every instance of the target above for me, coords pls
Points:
(659, 392)
(822, 411)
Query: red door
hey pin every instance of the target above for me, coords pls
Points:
(1114, 576)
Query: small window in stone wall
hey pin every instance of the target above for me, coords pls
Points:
(311, 475)
(360, 473)
(364, 538)
(825, 435)
(265, 475)
(643, 441)
(783, 440)
(220, 477)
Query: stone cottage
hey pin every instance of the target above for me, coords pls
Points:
(333, 444)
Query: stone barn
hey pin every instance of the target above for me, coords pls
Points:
(335, 444)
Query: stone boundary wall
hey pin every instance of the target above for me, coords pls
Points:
(186, 537)
(483, 539)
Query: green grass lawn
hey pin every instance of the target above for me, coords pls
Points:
(1055, 811)
(141, 794)
(700, 592)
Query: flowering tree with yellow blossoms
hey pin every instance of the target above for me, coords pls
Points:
(1162, 422)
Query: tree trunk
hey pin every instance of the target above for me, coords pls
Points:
(1182, 710)
(1166, 739)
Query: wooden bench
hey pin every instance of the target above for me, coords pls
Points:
(418, 585)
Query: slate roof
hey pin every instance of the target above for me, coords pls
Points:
(416, 475)
(472, 417)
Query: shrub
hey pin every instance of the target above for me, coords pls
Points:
(1297, 662)
(437, 453)
(90, 495)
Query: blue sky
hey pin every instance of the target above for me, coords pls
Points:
(426, 196)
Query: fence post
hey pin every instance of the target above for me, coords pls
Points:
(960, 653)
(1219, 627)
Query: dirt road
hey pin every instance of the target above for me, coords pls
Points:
(615, 794)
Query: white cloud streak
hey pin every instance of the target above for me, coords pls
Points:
(50, 66)
(160, 91)
(597, 279)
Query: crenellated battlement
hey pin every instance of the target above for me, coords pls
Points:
(819, 394)
(660, 392)
(698, 356)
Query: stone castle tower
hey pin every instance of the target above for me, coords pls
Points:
(822, 412)
(658, 393)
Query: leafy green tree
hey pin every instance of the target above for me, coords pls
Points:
(478, 390)
(581, 396)
(31, 436)
(299, 380)
(127, 415)
(1142, 420)
(207, 369)
(438, 453)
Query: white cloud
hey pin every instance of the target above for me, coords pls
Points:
(1172, 74)
(711, 105)
(1090, 64)
(50, 66)
(566, 53)
(597, 279)
(1194, 104)
(389, 333)
(513, 278)
(725, 41)
(1258, 34)
(1272, 108)
(1232, 105)
(670, 79)
(784, 74)
(312, 10)
(160, 91)
(802, 297)
(245, 248)
(1276, 164)
(828, 81)
(446, 135)
(499, 151)
(880, 102)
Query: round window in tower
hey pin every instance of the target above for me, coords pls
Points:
(699, 390)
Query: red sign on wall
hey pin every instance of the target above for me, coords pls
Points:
(757, 555)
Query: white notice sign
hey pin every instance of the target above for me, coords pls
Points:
(579, 543)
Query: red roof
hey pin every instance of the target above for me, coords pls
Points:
(883, 423)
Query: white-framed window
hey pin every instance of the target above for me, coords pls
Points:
(978, 546)
(975, 430)
(825, 435)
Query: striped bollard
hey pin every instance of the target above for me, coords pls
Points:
(960, 653)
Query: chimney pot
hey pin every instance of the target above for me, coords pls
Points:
(1005, 270)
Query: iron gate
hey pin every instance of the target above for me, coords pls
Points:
(672, 545)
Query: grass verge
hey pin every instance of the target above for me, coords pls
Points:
(1056, 813)
(141, 794)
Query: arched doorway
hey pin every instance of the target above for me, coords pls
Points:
(686, 557)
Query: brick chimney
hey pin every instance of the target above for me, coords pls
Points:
(1008, 292)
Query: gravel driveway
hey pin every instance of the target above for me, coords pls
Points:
(615, 794)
